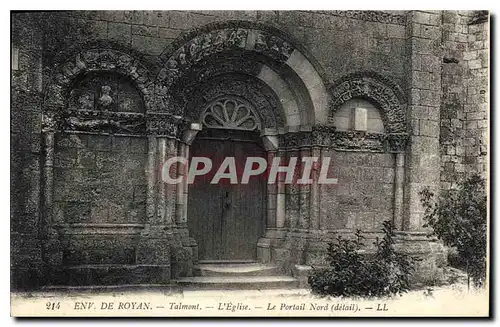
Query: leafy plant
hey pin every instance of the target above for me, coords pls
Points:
(353, 273)
(458, 218)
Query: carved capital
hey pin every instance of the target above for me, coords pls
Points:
(323, 135)
(50, 120)
(397, 141)
(189, 135)
(164, 125)
(296, 140)
(354, 140)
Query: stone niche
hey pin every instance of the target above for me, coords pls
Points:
(100, 155)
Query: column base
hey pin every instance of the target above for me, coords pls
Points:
(267, 245)
(307, 250)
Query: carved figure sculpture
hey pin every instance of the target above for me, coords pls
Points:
(105, 100)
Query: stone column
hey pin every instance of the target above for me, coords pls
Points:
(51, 245)
(154, 249)
(151, 174)
(182, 188)
(292, 202)
(304, 192)
(280, 198)
(399, 173)
(315, 194)
(422, 155)
(184, 243)
(272, 195)
(48, 180)
(275, 219)
(397, 145)
(423, 39)
(167, 148)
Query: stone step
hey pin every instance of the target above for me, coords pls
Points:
(237, 283)
(235, 269)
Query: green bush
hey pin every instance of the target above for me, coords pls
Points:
(352, 273)
(459, 219)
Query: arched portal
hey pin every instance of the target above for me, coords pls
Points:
(263, 69)
(227, 216)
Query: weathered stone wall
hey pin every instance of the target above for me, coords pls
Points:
(340, 43)
(477, 104)
(26, 79)
(363, 197)
(424, 78)
(438, 59)
(464, 108)
(100, 179)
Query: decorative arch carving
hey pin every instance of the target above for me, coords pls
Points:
(220, 40)
(97, 60)
(375, 88)
(264, 102)
(104, 59)
(230, 112)
(249, 48)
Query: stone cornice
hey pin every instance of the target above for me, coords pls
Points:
(369, 15)
(327, 136)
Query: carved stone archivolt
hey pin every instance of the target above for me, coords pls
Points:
(214, 66)
(216, 41)
(370, 86)
(100, 60)
(273, 46)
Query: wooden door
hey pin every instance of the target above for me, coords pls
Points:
(226, 219)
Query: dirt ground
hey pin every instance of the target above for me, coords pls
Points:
(449, 300)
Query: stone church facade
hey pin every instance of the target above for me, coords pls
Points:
(100, 100)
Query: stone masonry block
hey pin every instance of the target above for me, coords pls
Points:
(145, 30)
(120, 32)
(421, 17)
(168, 33)
(396, 31)
(430, 32)
(152, 45)
(429, 128)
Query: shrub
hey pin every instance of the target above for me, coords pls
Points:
(459, 219)
(352, 273)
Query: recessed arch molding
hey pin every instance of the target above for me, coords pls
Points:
(378, 89)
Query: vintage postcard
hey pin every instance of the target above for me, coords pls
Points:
(250, 163)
